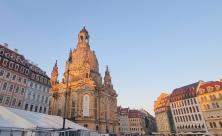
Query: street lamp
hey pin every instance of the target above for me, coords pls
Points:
(67, 86)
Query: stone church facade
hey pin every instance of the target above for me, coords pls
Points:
(90, 101)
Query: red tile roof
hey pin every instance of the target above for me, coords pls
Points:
(184, 92)
(215, 86)
(135, 114)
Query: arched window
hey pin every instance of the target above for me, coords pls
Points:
(217, 105)
(203, 126)
(220, 124)
(86, 105)
(215, 125)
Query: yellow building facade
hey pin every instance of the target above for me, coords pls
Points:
(91, 101)
(210, 99)
(163, 115)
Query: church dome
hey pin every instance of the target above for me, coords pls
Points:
(84, 63)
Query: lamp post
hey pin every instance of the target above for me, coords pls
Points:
(67, 86)
(66, 92)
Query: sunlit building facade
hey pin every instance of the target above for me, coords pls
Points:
(210, 99)
(15, 76)
(124, 125)
(91, 101)
(163, 115)
(185, 108)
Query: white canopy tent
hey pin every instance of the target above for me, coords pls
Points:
(15, 119)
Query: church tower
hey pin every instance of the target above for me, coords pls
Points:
(91, 102)
(107, 79)
(54, 74)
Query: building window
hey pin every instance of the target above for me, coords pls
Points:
(200, 117)
(31, 107)
(190, 110)
(220, 124)
(19, 103)
(33, 96)
(17, 89)
(13, 77)
(195, 101)
(11, 64)
(37, 77)
(36, 108)
(4, 86)
(42, 99)
(33, 76)
(13, 102)
(8, 75)
(1, 98)
(44, 110)
(85, 125)
(22, 69)
(5, 62)
(19, 79)
(188, 102)
(197, 108)
(192, 118)
(26, 71)
(217, 105)
(38, 97)
(11, 88)
(2, 51)
(16, 67)
(208, 106)
(196, 117)
(24, 81)
(7, 100)
(46, 100)
(26, 106)
(22, 91)
(214, 124)
(2, 72)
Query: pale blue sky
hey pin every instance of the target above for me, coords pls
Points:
(149, 45)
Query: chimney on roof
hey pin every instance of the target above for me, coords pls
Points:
(16, 50)
(5, 44)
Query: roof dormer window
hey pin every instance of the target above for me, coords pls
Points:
(2, 51)
(217, 87)
(18, 59)
(13, 57)
(209, 89)
(7, 55)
